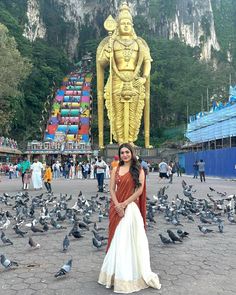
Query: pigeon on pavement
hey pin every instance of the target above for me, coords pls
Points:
(7, 263)
(204, 230)
(65, 269)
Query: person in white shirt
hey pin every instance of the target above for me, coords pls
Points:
(37, 170)
(100, 167)
(163, 169)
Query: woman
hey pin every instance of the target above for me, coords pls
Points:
(127, 262)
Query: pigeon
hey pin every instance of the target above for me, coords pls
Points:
(211, 189)
(83, 225)
(204, 220)
(204, 230)
(182, 234)
(19, 232)
(76, 234)
(36, 229)
(66, 243)
(6, 224)
(97, 236)
(45, 227)
(190, 218)
(173, 237)
(5, 240)
(7, 263)
(33, 244)
(176, 222)
(231, 219)
(165, 240)
(98, 244)
(56, 225)
(66, 268)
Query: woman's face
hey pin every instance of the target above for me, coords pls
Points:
(125, 155)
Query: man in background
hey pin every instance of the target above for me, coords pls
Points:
(201, 170)
(100, 167)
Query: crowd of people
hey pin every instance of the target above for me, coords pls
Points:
(97, 168)
(8, 142)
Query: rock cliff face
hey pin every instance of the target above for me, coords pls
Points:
(35, 27)
(192, 20)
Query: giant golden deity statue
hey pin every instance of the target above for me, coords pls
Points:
(127, 91)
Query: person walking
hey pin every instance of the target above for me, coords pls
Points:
(195, 169)
(48, 178)
(201, 169)
(178, 169)
(126, 265)
(100, 167)
(163, 170)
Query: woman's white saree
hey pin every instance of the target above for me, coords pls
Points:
(127, 263)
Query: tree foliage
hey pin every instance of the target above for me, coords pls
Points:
(14, 69)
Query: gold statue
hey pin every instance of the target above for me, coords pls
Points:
(127, 91)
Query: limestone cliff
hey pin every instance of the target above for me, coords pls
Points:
(191, 20)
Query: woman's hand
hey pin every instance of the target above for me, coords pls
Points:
(120, 210)
(124, 204)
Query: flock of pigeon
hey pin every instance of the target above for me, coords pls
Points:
(206, 211)
(27, 215)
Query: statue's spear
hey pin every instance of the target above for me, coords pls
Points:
(110, 26)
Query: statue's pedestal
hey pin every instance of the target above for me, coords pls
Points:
(111, 150)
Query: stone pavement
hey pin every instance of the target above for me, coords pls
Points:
(201, 265)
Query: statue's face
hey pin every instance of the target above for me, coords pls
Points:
(126, 27)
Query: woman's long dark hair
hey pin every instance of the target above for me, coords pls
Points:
(134, 167)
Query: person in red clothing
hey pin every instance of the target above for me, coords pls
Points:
(127, 263)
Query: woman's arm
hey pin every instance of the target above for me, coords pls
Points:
(118, 207)
(138, 192)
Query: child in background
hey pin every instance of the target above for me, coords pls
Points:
(26, 179)
(48, 178)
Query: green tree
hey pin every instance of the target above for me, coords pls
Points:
(13, 70)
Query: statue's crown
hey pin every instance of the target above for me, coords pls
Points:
(124, 12)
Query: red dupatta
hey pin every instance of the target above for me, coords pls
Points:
(124, 189)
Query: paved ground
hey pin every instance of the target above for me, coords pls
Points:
(201, 265)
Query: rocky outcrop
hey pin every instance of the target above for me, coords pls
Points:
(192, 22)
(34, 28)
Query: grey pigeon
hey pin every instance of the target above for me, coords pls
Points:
(33, 244)
(98, 244)
(182, 234)
(66, 268)
(165, 240)
(36, 229)
(173, 237)
(5, 240)
(7, 263)
(204, 220)
(231, 219)
(190, 217)
(204, 230)
(19, 232)
(66, 243)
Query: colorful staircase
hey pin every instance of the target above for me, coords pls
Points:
(71, 110)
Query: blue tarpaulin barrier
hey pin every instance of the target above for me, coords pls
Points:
(220, 162)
